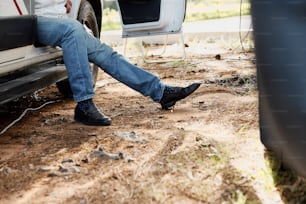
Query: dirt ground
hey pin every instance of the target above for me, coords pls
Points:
(205, 150)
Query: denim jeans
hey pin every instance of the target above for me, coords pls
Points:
(79, 48)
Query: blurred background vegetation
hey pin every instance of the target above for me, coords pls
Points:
(196, 10)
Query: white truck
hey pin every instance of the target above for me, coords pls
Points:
(26, 66)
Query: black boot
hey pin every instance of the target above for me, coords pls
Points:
(173, 94)
(87, 113)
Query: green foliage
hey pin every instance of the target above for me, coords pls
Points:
(110, 20)
(204, 10)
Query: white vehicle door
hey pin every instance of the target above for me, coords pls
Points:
(16, 7)
(15, 39)
(151, 17)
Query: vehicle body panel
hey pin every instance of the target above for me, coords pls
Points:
(138, 19)
(25, 60)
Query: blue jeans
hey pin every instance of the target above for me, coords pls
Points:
(79, 48)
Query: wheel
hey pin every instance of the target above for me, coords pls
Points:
(86, 16)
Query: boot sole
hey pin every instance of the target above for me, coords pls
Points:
(168, 105)
(93, 123)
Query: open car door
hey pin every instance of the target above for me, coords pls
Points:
(151, 17)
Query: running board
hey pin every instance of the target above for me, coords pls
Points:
(30, 83)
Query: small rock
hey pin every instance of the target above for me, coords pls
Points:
(137, 151)
(75, 169)
(100, 153)
(83, 202)
(218, 57)
(121, 155)
(30, 141)
(31, 166)
(92, 134)
(67, 161)
(130, 159)
(130, 136)
(52, 175)
(44, 168)
(8, 170)
(85, 160)
(63, 170)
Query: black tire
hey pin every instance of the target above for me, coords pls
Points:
(86, 16)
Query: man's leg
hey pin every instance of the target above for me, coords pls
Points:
(78, 46)
(69, 35)
(63, 33)
(134, 77)
(115, 65)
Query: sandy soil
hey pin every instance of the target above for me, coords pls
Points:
(205, 150)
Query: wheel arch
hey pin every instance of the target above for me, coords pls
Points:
(97, 6)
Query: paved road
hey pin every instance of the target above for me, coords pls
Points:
(232, 24)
